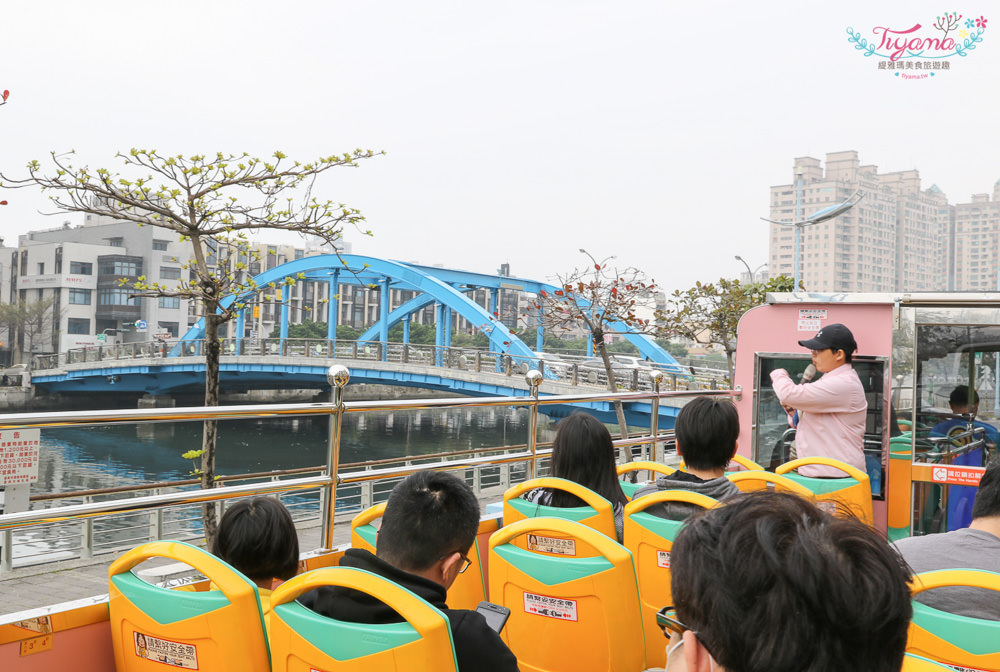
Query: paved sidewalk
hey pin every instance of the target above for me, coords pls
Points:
(47, 584)
(52, 583)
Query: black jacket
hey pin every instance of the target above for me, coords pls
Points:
(477, 647)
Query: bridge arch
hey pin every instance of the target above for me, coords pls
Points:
(436, 285)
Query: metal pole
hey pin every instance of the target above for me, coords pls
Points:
(338, 376)
(798, 227)
(534, 379)
(654, 419)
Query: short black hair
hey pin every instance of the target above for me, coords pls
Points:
(820, 594)
(706, 431)
(960, 396)
(988, 496)
(257, 536)
(429, 515)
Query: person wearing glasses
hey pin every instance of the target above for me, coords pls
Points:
(769, 583)
(429, 525)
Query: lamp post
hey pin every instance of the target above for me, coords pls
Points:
(816, 218)
(751, 272)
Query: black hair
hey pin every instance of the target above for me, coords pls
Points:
(988, 496)
(706, 431)
(429, 515)
(583, 452)
(847, 355)
(772, 584)
(257, 536)
(960, 396)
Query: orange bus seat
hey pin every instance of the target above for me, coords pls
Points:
(597, 512)
(567, 613)
(847, 496)
(469, 588)
(303, 640)
(363, 530)
(950, 638)
(912, 663)
(749, 481)
(641, 465)
(154, 629)
(899, 487)
(650, 539)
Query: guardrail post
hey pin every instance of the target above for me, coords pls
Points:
(655, 376)
(479, 362)
(338, 376)
(7, 552)
(366, 495)
(534, 379)
(575, 374)
(87, 539)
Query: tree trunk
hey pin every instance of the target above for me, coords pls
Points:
(626, 452)
(212, 351)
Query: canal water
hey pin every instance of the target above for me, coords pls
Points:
(75, 459)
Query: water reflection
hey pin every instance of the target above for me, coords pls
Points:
(73, 459)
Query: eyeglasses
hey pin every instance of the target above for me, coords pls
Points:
(666, 618)
(465, 560)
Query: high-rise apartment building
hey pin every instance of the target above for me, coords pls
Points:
(897, 238)
(975, 261)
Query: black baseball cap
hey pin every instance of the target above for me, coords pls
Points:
(833, 337)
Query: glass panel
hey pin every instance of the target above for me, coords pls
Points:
(955, 415)
(772, 435)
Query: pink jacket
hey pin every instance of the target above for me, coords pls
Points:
(831, 417)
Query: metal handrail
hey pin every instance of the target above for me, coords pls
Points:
(327, 485)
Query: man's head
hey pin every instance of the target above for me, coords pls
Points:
(706, 431)
(832, 346)
(987, 504)
(959, 400)
(769, 583)
(429, 525)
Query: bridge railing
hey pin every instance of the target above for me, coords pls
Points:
(102, 524)
(562, 368)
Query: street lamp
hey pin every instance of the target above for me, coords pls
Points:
(595, 262)
(815, 218)
(751, 273)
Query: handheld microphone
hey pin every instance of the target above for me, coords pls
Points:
(808, 374)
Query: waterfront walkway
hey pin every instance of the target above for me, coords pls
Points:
(48, 584)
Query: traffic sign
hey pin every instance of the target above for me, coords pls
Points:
(101, 338)
(140, 325)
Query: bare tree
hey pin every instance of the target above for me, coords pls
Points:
(24, 321)
(212, 202)
(600, 300)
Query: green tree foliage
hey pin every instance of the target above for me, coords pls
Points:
(709, 313)
(307, 329)
(213, 202)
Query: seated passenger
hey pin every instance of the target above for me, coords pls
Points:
(769, 583)
(974, 547)
(257, 536)
(583, 452)
(706, 430)
(960, 497)
(428, 528)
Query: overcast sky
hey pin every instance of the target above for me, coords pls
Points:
(515, 131)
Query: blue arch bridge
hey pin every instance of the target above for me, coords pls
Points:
(158, 370)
